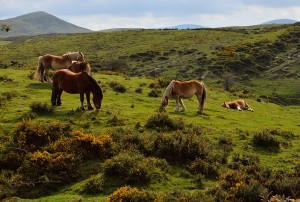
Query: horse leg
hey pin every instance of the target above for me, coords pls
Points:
(54, 96)
(177, 104)
(48, 79)
(199, 110)
(88, 100)
(239, 108)
(182, 105)
(59, 92)
(81, 101)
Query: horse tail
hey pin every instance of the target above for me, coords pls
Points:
(203, 96)
(40, 69)
(88, 68)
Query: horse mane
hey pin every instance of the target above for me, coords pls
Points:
(169, 89)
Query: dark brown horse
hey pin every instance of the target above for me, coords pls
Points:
(184, 90)
(77, 66)
(76, 83)
(47, 62)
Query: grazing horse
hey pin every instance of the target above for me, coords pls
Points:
(185, 90)
(80, 67)
(47, 62)
(76, 83)
(237, 104)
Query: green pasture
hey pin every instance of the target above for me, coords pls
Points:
(135, 108)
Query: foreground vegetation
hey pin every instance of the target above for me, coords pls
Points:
(129, 149)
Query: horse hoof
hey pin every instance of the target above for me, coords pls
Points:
(90, 108)
(82, 108)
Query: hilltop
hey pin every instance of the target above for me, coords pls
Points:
(37, 23)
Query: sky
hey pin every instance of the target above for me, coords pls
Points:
(107, 14)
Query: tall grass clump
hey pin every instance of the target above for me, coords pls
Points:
(41, 107)
(117, 87)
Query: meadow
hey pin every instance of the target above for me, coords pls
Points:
(221, 155)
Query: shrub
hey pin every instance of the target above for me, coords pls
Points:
(204, 167)
(87, 146)
(180, 147)
(134, 168)
(94, 185)
(45, 172)
(154, 93)
(139, 90)
(162, 122)
(116, 121)
(57, 167)
(130, 194)
(117, 87)
(238, 161)
(266, 140)
(31, 136)
(225, 144)
(238, 186)
(41, 108)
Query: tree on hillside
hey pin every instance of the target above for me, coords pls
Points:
(5, 28)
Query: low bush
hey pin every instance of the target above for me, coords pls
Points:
(31, 136)
(266, 140)
(182, 148)
(87, 146)
(41, 108)
(94, 185)
(130, 194)
(205, 167)
(46, 172)
(154, 93)
(162, 122)
(133, 168)
(116, 121)
(117, 87)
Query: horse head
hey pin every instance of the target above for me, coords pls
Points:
(97, 93)
(81, 56)
(225, 104)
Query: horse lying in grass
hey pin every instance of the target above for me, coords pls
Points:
(77, 66)
(76, 83)
(184, 90)
(237, 104)
(48, 61)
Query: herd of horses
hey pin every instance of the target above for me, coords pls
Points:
(73, 75)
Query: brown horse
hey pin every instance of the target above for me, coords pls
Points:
(76, 83)
(80, 67)
(237, 104)
(184, 90)
(47, 62)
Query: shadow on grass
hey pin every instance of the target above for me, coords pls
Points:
(39, 86)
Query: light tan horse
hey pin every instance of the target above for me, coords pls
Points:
(80, 67)
(237, 104)
(184, 90)
(48, 61)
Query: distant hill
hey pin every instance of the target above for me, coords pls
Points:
(280, 21)
(39, 23)
(185, 26)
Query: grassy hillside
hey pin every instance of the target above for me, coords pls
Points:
(250, 55)
(63, 154)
